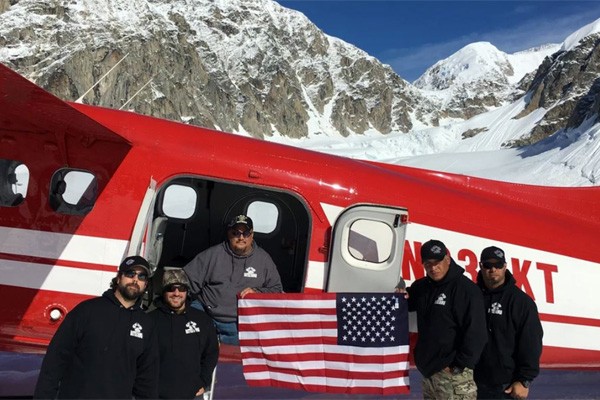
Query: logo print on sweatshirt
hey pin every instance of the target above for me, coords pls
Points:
(191, 327)
(441, 300)
(136, 331)
(495, 308)
(250, 273)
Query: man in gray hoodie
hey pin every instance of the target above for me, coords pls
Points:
(233, 268)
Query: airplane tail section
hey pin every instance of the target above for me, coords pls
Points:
(25, 107)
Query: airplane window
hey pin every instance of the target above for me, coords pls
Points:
(179, 201)
(264, 215)
(370, 240)
(77, 182)
(14, 181)
(73, 191)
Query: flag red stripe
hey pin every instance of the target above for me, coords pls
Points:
(349, 358)
(328, 373)
(262, 310)
(270, 326)
(286, 341)
(294, 297)
(331, 389)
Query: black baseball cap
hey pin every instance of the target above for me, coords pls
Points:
(492, 252)
(433, 250)
(241, 220)
(132, 262)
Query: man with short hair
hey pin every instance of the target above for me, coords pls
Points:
(233, 268)
(187, 340)
(450, 322)
(511, 357)
(106, 347)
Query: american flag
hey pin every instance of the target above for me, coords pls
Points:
(353, 343)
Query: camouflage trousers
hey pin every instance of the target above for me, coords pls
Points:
(446, 386)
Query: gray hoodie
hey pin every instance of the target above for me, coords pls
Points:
(218, 275)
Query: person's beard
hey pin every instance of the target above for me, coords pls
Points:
(130, 292)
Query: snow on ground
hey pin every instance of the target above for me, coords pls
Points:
(568, 158)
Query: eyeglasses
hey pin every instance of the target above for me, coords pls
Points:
(492, 264)
(245, 233)
(142, 276)
(174, 287)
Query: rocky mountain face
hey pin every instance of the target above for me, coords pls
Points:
(255, 67)
(567, 86)
(240, 66)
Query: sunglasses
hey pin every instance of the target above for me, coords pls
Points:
(142, 276)
(245, 234)
(490, 265)
(174, 287)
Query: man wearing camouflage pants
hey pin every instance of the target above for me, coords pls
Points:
(451, 325)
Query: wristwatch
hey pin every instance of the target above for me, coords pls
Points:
(525, 383)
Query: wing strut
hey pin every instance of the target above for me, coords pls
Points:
(80, 99)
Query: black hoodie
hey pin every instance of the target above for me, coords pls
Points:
(102, 350)
(450, 321)
(515, 335)
(189, 351)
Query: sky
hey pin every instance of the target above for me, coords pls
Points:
(411, 36)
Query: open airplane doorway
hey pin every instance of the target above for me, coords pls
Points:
(190, 214)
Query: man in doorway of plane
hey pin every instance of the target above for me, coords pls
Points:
(511, 357)
(235, 267)
(187, 341)
(450, 322)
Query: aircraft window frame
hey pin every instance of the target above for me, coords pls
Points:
(167, 211)
(73, 191)
(14, 182)
(370, 246)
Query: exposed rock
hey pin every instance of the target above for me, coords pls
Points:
(565, 85)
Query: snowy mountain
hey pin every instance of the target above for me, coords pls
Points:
(256, 68)
(479, 77)
(251, 67)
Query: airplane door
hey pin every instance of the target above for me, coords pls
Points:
(367, 248)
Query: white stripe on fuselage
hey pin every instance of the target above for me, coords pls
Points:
(57, 278)
(62, 248)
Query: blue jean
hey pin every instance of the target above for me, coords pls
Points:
(227, 331)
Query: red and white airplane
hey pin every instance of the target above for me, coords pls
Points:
(81, 187)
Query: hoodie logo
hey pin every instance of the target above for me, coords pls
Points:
(250, 273)
(191, 327)
(441, 300)
(495, 308)
(136, 331)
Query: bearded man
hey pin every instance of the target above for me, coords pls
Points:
(106, 347)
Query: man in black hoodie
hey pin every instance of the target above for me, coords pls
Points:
(106, 347)
(187, 338)
(511, 358)
(451, 325)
